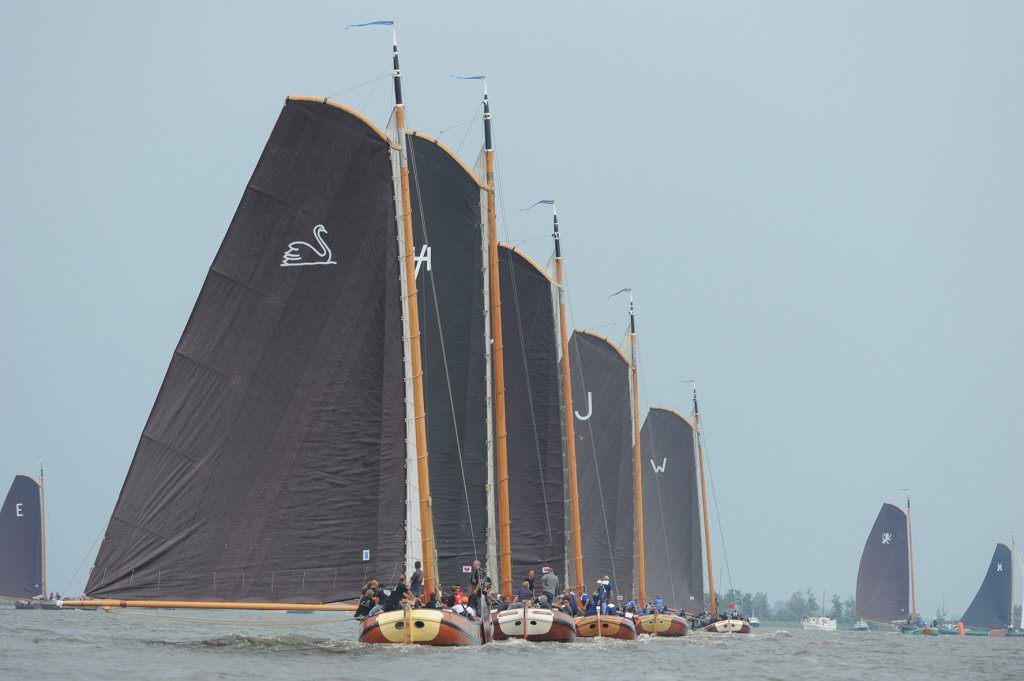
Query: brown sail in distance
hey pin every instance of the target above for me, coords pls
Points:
(883, 580)
(675, 566)
(21, 540)
(993, 603)
(272, 467)
(533, 416)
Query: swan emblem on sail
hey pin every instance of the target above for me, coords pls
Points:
(304, 253)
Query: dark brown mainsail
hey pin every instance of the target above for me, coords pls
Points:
(883, 580)
(992, 606)
(273, 465)
(672, 510)
(604, 458)
(21, 540)
(533, 416)
(448, 232)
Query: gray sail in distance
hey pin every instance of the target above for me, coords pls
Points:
(533, 416)
(883, 580)
(991, 606)
(448, 234)
(672, 530)
(272, 467)
(21, 540)
(604, 458)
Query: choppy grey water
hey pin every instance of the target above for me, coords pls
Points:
(137, 644)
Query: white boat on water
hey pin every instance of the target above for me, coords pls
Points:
(861, 625)
(754, 622)
(823, 623)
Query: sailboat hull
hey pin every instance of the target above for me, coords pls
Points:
(728, 626)
(606, 626)
(35, 604)
(535, 624)
(661, 625)
(423, 626)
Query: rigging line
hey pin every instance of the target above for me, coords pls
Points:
(84, 558)
(428, 274)
(714, 495)
(529, 395)
(385, 74)
(466, 134)
(376, 82)
(476, 117)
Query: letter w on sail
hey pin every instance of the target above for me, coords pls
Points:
(661, 468)
(590, 408)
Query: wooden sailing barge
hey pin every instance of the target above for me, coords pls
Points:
(885, 591)
(274, 471)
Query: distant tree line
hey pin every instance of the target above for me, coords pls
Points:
(800, 604)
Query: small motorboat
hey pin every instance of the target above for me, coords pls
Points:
(754, 622)
(861, 625)
(609, 626)
(731, 625)
(425, 626)
(661, 624)
(823, 623)
(534, 624)
(37, 604)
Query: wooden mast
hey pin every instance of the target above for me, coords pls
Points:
(42, 521)
(1013, 555)
(570, 426)
(704, 504)
(419, 411)
(497, 360)
(910, 546)
(638, 494)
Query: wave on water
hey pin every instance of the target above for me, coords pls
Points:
(279, 643)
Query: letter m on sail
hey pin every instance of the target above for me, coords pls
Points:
(657, 468)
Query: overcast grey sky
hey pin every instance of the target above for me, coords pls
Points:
(818, 206)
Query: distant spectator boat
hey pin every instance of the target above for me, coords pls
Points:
(861, 625)
(823, 623)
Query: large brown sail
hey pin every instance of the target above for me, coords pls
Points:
(448, 233)
(533, 416)
(604, 458)
(675, 566)
(273, 464)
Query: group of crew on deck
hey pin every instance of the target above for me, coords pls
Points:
(546, 593)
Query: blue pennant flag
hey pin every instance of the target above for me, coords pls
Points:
(371, 23)
(470, 77)
(549, 202)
